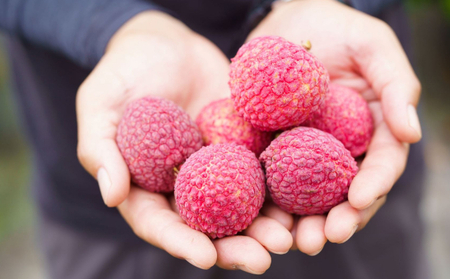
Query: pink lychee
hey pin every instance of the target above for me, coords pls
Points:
(155, 136)
(308, 171)
(220, 189)
(346, 115)
(220, 123)
(276, 84)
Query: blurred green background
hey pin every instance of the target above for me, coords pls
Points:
(443, 5)
(18, 254)
(15, 206)
(430, 21)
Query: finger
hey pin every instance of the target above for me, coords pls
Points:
(343, 220)
(383, 164)
(310, 237)
(352, 80)
(357, 83)
(152, 219)
(369, 95)
(97, 149)
(173, 204)
(294, 234)
(270, 234)
(273, 211)
(384, 64)
(242, 252)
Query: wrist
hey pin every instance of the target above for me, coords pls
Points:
(151, 24)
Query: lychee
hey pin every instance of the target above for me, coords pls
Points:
(346, 115)
(276, 84)
(219, 122)
(308, 171)
(220, 189)
(155, 136)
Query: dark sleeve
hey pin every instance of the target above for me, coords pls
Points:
(372, 7)
(79, 29)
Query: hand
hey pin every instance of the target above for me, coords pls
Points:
(154, 54)
(361, 52)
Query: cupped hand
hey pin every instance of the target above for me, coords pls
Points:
(361, 52)
(154, 54)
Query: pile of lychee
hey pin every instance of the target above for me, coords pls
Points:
(285, 127)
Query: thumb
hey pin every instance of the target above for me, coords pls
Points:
(399, 101)
(98, 152)
(385, 65)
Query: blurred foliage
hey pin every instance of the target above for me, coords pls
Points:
(420, 4)
(15, 203)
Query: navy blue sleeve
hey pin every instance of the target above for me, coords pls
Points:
(372, 7)
(79, 29)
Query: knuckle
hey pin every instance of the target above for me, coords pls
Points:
(386, 27)
(141, 221)
(383, 200)
(79, 97)
(137, 225)
(84, 87)
(383, 27)
(417, 86)
(138, 230)
(83, 155)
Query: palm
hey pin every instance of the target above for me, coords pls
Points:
(330, 35)
(192, 74)
(339, 40)
(160, 69)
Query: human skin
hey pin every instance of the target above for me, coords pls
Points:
(154, 54)
(363, 53)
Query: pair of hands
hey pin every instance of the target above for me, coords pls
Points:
(154, 54)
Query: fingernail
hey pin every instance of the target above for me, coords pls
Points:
(351, 234)
(105, 183)
(316, 253)
(246, 269)
(278, 252)
(413, 119)
(191, 261)
(370, 204)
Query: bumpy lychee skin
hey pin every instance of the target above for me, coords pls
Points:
(155, 136)
(219, 122)
(220, 189)
(276, 84)
(345, 115)
(308, 171)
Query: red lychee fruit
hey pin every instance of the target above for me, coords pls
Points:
(219, 122)
(308, 171)
(220, 189)
(346, 115)
(276, 84)
(155, 136)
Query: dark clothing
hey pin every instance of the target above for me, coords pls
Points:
(81, 29)
(78, 29)
(54, 46)
(372, 7)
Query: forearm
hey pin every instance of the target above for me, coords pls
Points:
(78, 29)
